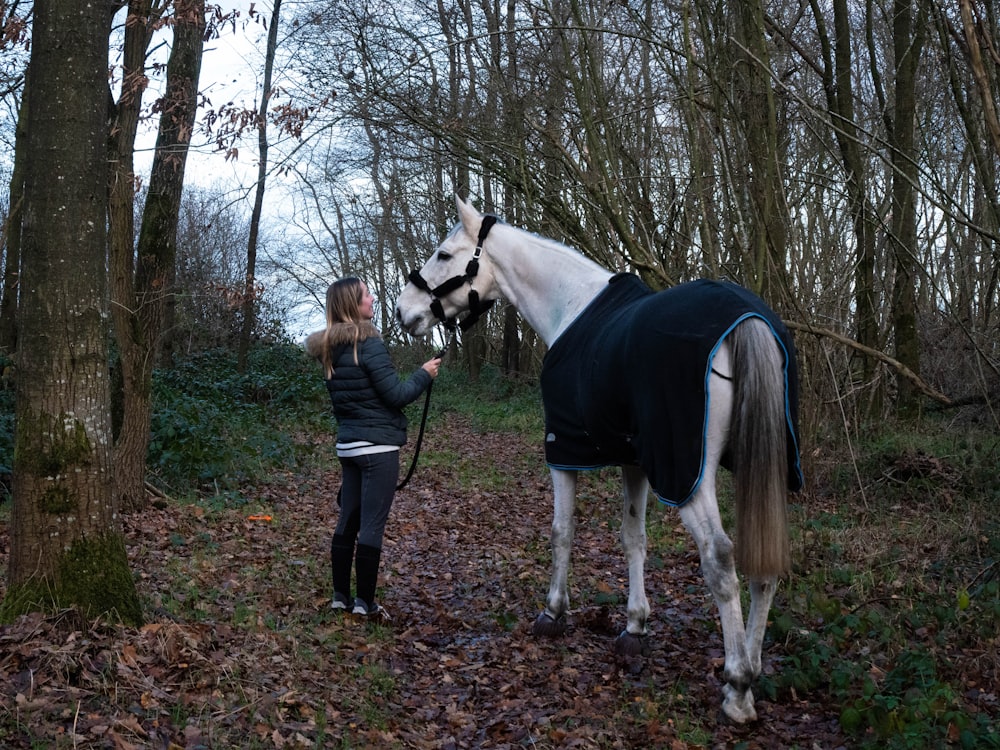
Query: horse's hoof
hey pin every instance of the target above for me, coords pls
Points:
(738, 706)
(547, 626)
(630, 644)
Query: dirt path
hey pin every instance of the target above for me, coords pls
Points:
(242, 650)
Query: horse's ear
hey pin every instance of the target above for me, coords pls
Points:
(468, 215)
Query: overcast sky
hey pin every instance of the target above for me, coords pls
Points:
(232, 70)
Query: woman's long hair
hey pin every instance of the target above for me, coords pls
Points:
(343, 303)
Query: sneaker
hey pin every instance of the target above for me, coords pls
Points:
(371, 611)
(340, 602)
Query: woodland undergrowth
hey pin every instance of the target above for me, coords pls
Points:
(885, 635)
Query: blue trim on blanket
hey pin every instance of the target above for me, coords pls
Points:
(704, 430)
(708, 406)
(610, 422)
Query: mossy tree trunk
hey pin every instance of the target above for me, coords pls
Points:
(67, 548)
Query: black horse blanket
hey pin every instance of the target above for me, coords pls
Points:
(627, 382)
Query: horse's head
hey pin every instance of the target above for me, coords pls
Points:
(457, 278)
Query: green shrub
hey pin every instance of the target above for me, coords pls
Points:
(215, 428)
(493, 402)
(896, 590)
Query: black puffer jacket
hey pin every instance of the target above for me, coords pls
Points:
(367, 395)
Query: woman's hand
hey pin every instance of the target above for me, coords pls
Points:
(432, 366)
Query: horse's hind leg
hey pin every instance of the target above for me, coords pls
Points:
(761, 595)
(701, 517)
(552, 620)
(631, 642)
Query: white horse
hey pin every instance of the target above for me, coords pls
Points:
(747, 418)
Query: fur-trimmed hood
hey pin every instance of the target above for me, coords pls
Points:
(340, 333)
(365, 390)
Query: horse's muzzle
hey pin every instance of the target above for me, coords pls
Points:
(416, 325)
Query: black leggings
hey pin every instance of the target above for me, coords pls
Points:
(368, 488)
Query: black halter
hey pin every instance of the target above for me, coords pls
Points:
(476, 308)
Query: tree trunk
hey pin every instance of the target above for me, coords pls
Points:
(121, 242)
(907, 43)
(981, 278)
(250, 288)
(703, 193)
(837, 79)
(765, 186)
(67, 547)
(12, 233)
(511, 351)
(513, 125)
(156, 250)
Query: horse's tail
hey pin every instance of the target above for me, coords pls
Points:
(759, 452)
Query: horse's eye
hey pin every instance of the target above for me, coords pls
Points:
(442, 255)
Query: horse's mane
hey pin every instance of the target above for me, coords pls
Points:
(547, 244)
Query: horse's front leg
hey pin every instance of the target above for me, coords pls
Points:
(552, 620)
(632, 640)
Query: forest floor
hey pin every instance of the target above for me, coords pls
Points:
(242, 650)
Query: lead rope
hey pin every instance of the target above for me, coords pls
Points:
(423, 424)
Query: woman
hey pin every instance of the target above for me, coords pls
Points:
(367, 396)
